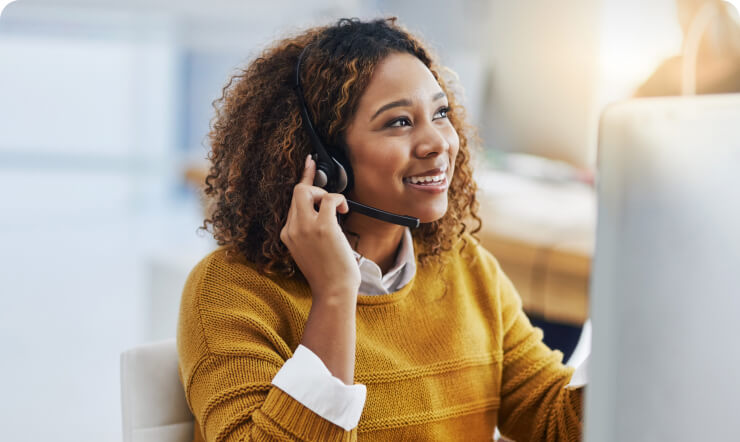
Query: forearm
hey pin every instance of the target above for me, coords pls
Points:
(330, 333)
(535, 405)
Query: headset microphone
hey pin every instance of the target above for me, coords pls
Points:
(404, 220)
(333, 172)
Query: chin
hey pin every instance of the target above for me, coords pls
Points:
(431, 214)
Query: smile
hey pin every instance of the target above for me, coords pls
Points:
(430, 179)
(433, 184)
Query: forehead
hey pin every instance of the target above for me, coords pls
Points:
(398, 76)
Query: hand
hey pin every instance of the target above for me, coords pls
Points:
(317, 243)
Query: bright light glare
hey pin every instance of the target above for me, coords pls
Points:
(3, 4)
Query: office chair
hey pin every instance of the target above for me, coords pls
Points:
(153, 402)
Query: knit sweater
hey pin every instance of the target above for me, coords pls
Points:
(449, 356)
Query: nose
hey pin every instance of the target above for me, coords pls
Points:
(430, 141)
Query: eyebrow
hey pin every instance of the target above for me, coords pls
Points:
(403, 102)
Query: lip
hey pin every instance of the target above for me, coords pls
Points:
(431, 188)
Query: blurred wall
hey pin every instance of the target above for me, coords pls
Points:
(529, 68)
(537, 74)
(102, 103)
(543, 84)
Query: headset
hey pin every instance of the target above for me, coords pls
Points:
(333, 171)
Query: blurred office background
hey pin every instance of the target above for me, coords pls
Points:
(104, 108)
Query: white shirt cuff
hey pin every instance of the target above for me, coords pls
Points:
(305, 378)
(579, 358)
(580, 376)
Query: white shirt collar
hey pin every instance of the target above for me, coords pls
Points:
(373, 282)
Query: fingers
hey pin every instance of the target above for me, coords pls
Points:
(305, 197)
(343, 207)
(306, 223)
(305, 194)
(309, 170)
(302, 216)
(331, 203)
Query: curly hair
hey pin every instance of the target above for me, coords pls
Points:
(259, 145)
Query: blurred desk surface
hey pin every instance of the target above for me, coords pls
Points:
(542, 234)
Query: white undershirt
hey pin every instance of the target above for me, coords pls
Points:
(373, 282)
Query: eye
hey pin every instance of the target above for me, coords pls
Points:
(399, 122)
(442, 112)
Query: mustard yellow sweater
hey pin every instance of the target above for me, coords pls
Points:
(448, 357)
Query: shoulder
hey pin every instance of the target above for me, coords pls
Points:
(466, 264)
(220, 263)
(481, 271)
(471, 254)
(216, 275)
(221, 275)
(228, 305)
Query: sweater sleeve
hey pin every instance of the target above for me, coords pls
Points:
(534, 403)
(306, 379)
(231, 346)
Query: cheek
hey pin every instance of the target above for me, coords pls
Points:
(382, 164)
(375, 170)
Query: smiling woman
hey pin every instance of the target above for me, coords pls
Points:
(306, 326)
(403, 153)
(258, 141)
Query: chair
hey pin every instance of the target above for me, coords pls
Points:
(153, 402)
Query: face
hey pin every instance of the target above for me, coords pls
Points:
(402, 146)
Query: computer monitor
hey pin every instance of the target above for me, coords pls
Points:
(665, 287)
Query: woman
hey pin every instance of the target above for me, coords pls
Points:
(312, 326)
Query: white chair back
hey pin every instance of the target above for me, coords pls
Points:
(153, 401)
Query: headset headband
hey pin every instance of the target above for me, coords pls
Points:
(329, 174)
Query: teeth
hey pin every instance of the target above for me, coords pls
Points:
(426, 179)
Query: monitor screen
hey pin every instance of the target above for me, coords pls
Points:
(665, 288)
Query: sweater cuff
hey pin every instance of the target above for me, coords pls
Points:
(305, 378)
(294, 418)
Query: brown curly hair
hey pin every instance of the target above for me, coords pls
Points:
(259, 145)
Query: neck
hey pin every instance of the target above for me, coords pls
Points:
(378, 240)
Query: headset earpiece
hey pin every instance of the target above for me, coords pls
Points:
(345, 178)
(320, 179)
(323, 171)
(341, 177)
(333, 181)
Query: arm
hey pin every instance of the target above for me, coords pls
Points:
(232, 342)
(237, 391)
(305, 378)
(534, 403)
(315, 239)
(331, 334)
